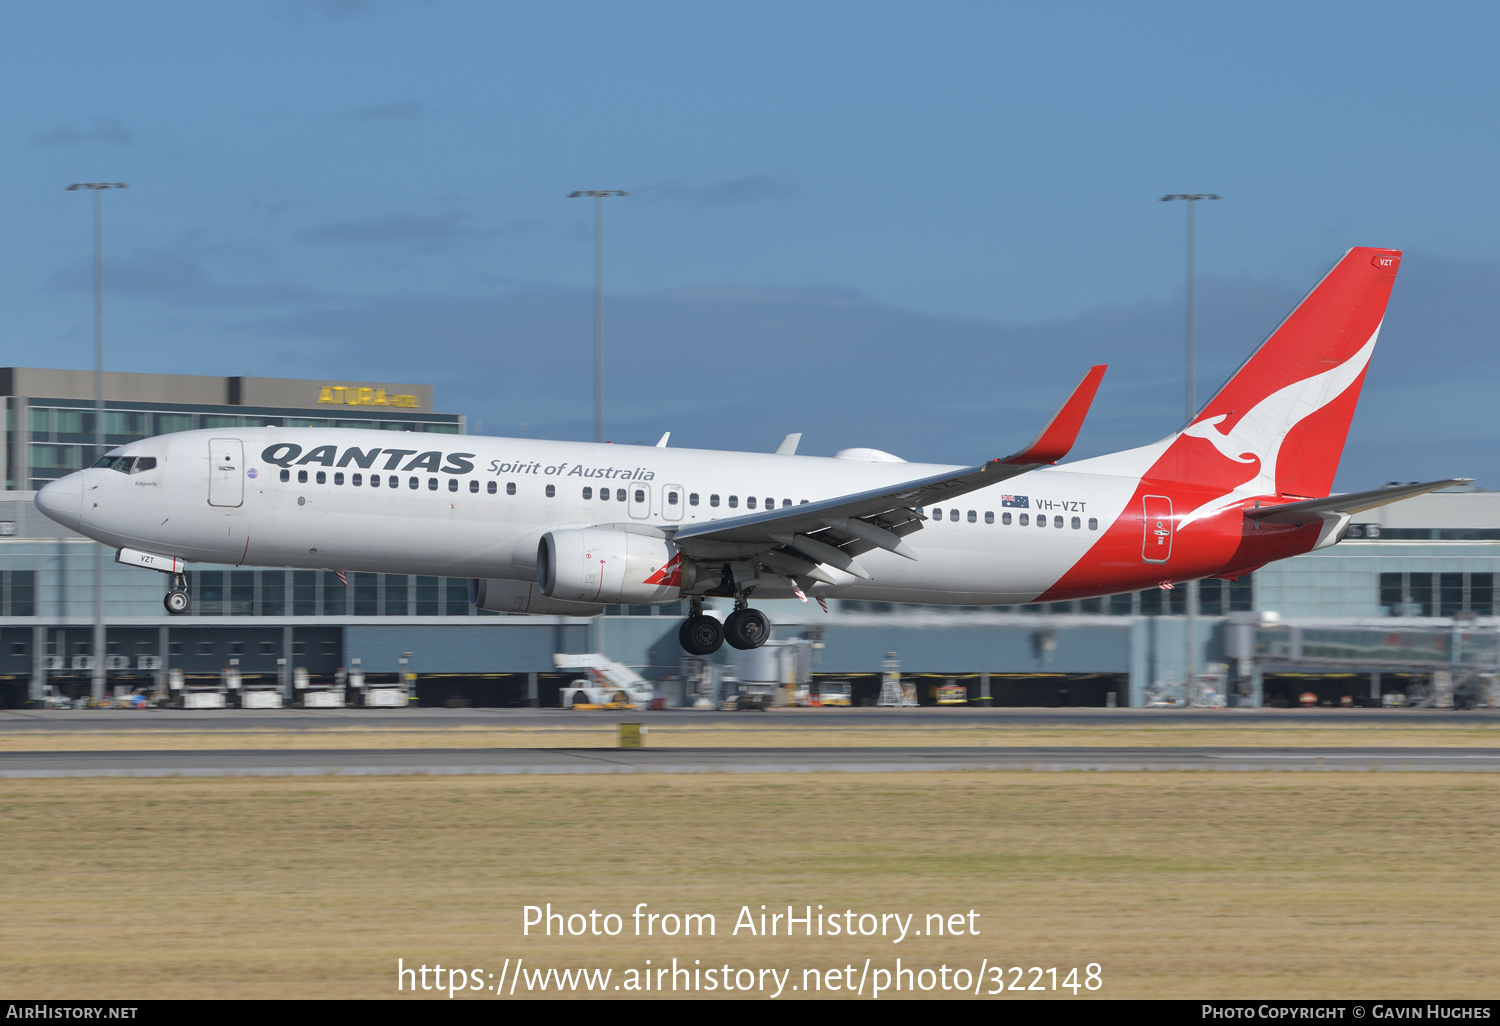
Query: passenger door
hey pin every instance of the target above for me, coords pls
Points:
(1157, 547)
(671, 502)
(640, 500)
(226, 472)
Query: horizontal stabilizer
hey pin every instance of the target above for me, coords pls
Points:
(1347, 504)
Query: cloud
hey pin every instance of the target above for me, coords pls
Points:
(396, 110)
(422, 232)
(103, 129)
(180, 276)
(750, 189)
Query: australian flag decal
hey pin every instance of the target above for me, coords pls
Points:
(1015, 502)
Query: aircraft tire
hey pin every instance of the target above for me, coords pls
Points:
(747, 628)
(700, 635)
(176, 602)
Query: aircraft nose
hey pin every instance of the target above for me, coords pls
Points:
(62, 500)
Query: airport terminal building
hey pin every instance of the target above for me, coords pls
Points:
(1408, 598)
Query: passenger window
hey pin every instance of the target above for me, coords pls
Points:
(672, 498)
(322, 477)
(619, 495)
(374, 480)
(302, 477)
(588, 493)
(1005, 519)
(473, 485)
(1057, 522)
(1022, 519)
(604, 495)
(989, 516)
(510, 488)
(394, 482)
(1041, 520)
(432, 484)
(356, 479)
(692, 498)
(286, 475)
(551, 491)
(640, 496)
(953, 515)
(453, 484)
(749, 502)
(937, 514)
(734, 500)
(491, 487)
(1093, 523)
(1077, 523)
(413, 483)
(803, 503)
(713, 500)
(338, 478)
(787, 502)
(973, 517)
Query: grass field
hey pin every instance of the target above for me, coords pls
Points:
(1178, 885)
(821, 729)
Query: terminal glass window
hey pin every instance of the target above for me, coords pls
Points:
(167, 423)
(334, 594)
(241, 593)
(305, 592)
(427, 596)
(395, 594)
(273, 592)
(366, 589)
(457, 596)
(210, 597)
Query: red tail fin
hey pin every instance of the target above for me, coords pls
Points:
(1290, 405)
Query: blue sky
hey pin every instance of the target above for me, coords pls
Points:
(903, 225)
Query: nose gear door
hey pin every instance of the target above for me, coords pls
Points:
(226, 472)
(1157, 547)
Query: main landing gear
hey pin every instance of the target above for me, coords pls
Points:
(177, 600)
(702, 635)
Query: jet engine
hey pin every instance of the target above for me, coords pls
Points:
(523, 597)
(592, 564)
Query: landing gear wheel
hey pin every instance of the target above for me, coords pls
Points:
(176, 602)
(700, 635)
(747, 628)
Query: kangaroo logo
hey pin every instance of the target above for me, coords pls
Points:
(1257, 436)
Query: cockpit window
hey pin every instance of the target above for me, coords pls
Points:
(127, 464)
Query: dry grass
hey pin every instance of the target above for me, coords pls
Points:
(1179, 885)
(822, 729)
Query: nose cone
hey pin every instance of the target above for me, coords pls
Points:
(62, 500)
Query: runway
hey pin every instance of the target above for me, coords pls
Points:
(21, 720)
(568, 761)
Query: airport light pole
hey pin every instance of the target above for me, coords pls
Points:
(97, 677)
(1191, 200)
(598, 196)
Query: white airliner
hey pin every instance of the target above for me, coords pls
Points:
(568, 527)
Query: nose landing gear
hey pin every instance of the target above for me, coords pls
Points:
(177, 600)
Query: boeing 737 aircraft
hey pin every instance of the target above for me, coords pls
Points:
(568, 527)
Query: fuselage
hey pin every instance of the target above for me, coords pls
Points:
(472, 506)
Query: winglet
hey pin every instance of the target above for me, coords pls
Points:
(788, 446)
(1054, 441)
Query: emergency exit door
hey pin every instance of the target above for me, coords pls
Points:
(1157, 547)
(226, 472)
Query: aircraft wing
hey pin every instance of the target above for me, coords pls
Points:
(833, 531)
(1312, 510)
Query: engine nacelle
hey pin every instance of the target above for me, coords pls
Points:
(592, 564)
(524, 597)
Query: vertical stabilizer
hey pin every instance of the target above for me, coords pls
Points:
(1278, 425)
